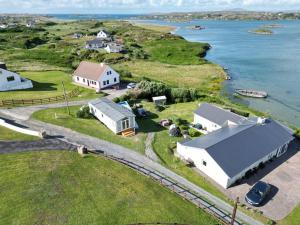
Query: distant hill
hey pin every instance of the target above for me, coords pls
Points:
(233, 14)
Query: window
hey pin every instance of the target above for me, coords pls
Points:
(107, 81)
(125, 124)
(115, 79)
(83, 80)
(109, 72)
(77, 78)
(11, 78)
(204, 163)
(104, 82)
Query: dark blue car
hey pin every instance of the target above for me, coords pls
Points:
(258, 193)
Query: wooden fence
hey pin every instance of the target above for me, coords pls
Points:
(18, 102)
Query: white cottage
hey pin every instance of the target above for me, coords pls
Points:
(213, 118)
(103, 34)
(12, 81)
(95, 75)
(117, 118)
(227, 154)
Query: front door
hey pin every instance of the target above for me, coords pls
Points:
(88, 82)
(125, 124)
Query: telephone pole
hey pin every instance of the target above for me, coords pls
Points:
(234, 211)
(66, 98)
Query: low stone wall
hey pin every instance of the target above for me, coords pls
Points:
(19, 129)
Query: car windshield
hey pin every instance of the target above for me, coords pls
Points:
(257, 192)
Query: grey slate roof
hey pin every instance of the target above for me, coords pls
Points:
(235, 148)
(96, 41)
(114, 111)
(217, 115)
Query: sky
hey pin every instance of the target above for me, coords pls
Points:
(141, 6)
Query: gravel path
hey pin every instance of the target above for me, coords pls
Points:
(149, 150)
(40, 145)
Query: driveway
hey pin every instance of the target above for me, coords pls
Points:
(284, 176)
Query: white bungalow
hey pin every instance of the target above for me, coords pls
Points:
(114, 48)
(227, 154)
(95, 75)
(13, 81)
(103, 34)
(213, 118)
(116, 117)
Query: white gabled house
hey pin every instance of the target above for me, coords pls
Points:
(213, 118)
(103, 34)
(95, 75)
(13, 81)
(116, 117)
(227, 154)
(114, 48)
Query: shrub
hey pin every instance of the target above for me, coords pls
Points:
(116, 100)
(125, 73)
(123, 98)
(84, 113)
(159, 108)
(271, 222)
(194, 133)
(241, 113)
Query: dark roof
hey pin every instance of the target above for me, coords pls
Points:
(111, 109)
(217, 115)
(235, 148)
(95, 41)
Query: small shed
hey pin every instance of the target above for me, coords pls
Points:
(159, 100)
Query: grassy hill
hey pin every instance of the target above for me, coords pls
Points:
(64, 188)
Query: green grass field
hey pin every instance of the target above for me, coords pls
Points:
(90, 127)
(48, 84)
(204, 77)
(10, 135)
(64, 188)
(176, 51)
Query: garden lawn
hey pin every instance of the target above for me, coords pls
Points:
(91, 127)
(48, 84)
(205, 77)
(292, 219)
(55, 187)
(10, 135)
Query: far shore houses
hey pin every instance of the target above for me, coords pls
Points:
(95, 75)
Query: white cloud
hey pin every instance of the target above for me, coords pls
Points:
(40, 6)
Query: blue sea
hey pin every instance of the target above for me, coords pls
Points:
(264, 62)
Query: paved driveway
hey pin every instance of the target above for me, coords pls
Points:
(284, 176)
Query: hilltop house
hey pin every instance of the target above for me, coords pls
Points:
(97, 43)
(103, 34)
(12, 81)
(117, 118)
(213, 118)
(95, 75)
(229, 153)
(77, 35)
(3, 26)
(30, 24)
(114, 48)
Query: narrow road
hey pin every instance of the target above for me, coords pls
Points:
(149, 152)
(118, 151)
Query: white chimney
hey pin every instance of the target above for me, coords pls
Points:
(101, 64)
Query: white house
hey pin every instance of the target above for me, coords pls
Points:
(3, 26)
(13, 81)
(114, 48)
(213, 118)
(159, 100)
(103, 34)
(95, 75)
(117, 118)
(30, 24)
(227, 154)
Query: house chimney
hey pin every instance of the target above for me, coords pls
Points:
(101, 64)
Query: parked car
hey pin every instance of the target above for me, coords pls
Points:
(258, 193)
(131, 85)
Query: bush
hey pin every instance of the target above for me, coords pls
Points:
(271, 222)
(194, 133)
(125, 74)
(116, 100)
(241, 113)
(159, 108)
(84, 113)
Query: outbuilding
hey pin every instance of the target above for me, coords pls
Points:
(116, 117)
(95, 75)
(227, 154)
(159, 100)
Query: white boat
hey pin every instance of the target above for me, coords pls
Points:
(252, 93)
